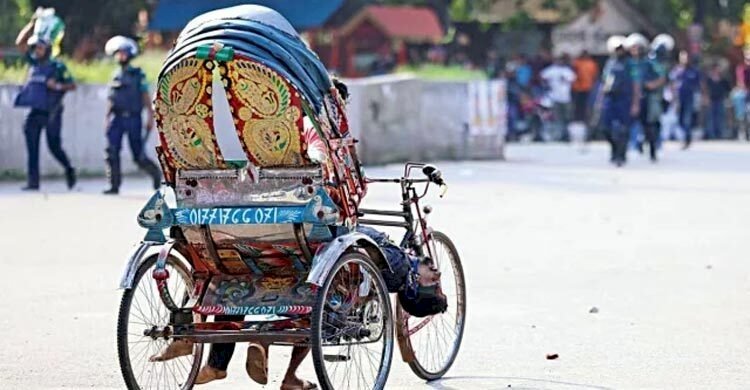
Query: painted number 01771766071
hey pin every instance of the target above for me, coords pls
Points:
(224, 216)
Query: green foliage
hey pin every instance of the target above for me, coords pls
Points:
(97, 20)
(443, 73)
(521, 21)
(13, 15)
(464, 10)
(92, 72)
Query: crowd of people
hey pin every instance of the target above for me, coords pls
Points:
(640, 95)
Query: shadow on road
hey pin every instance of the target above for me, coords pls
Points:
(500, 382)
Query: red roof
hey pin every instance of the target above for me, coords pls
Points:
(402, 22)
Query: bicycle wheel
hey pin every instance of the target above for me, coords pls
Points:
(142, 331)
(430, 345)
(352, 327)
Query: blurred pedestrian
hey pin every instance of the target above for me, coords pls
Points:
(651, 78)
(739, 109)
(657, 102)
(128, 96)
(688, 82)
(587, 72)
(636, 44)
(559, 78)
(718, 89)
(620, 100)
(740, 95)
(48, 81)
(524, 73)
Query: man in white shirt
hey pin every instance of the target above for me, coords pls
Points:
(558, 78)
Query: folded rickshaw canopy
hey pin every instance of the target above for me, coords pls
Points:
(261, 34)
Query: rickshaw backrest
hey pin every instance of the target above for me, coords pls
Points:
(266, 110)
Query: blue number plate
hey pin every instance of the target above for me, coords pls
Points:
(242, 215)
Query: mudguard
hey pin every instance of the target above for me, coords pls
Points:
(327, 256)
(137, 256)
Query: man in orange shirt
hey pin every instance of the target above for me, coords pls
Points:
(586, 73)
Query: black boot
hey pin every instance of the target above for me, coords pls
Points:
(151, 169)
(113, 175)
(70, 178)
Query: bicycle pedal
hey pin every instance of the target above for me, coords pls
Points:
(336, 358)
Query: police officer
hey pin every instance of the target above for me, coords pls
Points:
(651, 77)
(654, 82)
(127, 98)
(620, 105)
(43, 92)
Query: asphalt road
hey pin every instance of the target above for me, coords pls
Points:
(660, 250)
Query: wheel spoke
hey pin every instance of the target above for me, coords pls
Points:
(366, 356)
(436, 343)
(145, 311)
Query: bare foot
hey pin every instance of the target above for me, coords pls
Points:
(295, 383)
(257, 363)
(175, 349)
(209, 374)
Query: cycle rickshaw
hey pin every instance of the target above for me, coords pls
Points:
(272, 238)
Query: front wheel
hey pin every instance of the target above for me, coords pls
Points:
(352, 326)
(430, 345)
(143, 331)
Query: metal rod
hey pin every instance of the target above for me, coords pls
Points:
(383, 223)
(234, 336)
(373, 180)
(383, 212)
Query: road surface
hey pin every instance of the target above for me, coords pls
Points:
(661, 251)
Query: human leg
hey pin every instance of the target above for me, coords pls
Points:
(221, 353)
(115, 131)
(620, 140)
(32, 129)
(717, 119)
(135, 140)
(291, 381)
(686, 120)
(652, 136)
(54, 144)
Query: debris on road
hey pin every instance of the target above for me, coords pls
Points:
(594, 310)
(552, 356)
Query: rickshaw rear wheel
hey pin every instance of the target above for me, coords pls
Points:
(142, 331)
(352, 326)
(430, 345)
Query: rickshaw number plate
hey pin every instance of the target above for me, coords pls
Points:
(239, 215)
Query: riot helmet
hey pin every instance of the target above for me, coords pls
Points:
(121, 44)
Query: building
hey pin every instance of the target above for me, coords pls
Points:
(590, 30)
(377, 37)
(170, 16)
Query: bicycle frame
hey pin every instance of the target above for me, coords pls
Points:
(417, 230)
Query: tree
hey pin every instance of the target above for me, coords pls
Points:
(15, 13)
(90, 23)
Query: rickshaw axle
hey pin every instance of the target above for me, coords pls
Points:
(155, 332)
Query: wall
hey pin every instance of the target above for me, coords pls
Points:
(82, 134)
(396, 118)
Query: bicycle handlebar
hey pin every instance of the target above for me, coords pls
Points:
(433, 174)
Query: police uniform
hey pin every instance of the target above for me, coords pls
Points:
(652, 103)
(618, 98)
(126, 102)
(46, 113)
(689, 80)
(644, 70)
